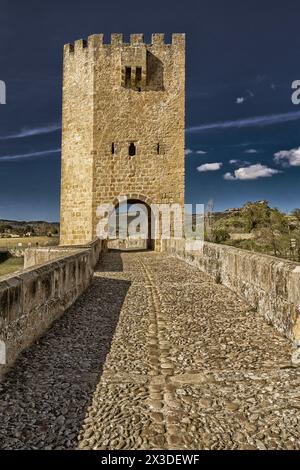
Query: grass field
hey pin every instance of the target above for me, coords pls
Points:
(14, 264)
(11, 265)
(9, 243)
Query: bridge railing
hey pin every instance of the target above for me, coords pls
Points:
(31, 300)
(270, 285)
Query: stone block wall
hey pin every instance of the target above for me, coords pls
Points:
(128, 244)
(33, 299)
(35, 256)
(77, 163)
(43, 254)
(117, 96)
(270, 285)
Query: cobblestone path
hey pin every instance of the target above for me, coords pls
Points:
(153, 356)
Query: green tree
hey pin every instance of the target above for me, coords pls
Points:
(296, 214)
(275, 234)
(219, 235)
(256, 214)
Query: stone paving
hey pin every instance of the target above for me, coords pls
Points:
(153, 356)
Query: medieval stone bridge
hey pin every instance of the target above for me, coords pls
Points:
(145, 351)
(154, 355)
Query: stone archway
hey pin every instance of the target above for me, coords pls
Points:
(143, 203)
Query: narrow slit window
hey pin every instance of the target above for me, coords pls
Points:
(132, 150)
(158, 149)
(128, 77)
(138, 77)
(113, 148)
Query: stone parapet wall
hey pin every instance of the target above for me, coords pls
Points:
(270, 285)
(40, 255)
(33, 299)
(128, 244)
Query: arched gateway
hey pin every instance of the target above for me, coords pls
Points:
(123, 127)
(135, 214)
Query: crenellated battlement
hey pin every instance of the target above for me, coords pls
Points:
(116, 39)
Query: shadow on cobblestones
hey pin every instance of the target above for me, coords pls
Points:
(113, 261)
(44, 398)
(183, 362)
(108, 266)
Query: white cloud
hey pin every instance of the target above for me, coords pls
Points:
(209, 167)
(188, 152)
(229, 177)
(242, 99)
(288, 157)
(201, 152)
(239, 162)
(251, 151)
(26, 132)
(8, 158)
(251, 172)
(258, 121)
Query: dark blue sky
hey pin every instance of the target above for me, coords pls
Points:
(242, 57)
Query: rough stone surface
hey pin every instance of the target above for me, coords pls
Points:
(42, 255)
(103, 114)
(153, 355)
(129, 243)
(270, 285)
(31, 300)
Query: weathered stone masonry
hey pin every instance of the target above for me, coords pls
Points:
(123, 127)
(269, 284)
(31, 300)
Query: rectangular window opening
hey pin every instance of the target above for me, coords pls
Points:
(127, 77)
(138, 77)
(132, 149)
(113, 148)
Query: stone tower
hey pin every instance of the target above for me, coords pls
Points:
(122, 127)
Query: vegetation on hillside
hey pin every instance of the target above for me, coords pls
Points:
(10, 228)
(257, 227)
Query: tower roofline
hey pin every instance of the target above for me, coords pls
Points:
(116, 39)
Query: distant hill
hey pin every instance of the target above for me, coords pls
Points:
(257, 227)
(38, 228)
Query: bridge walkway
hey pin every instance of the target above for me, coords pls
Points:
(153, 356)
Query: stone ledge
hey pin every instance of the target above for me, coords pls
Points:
(31, 300)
